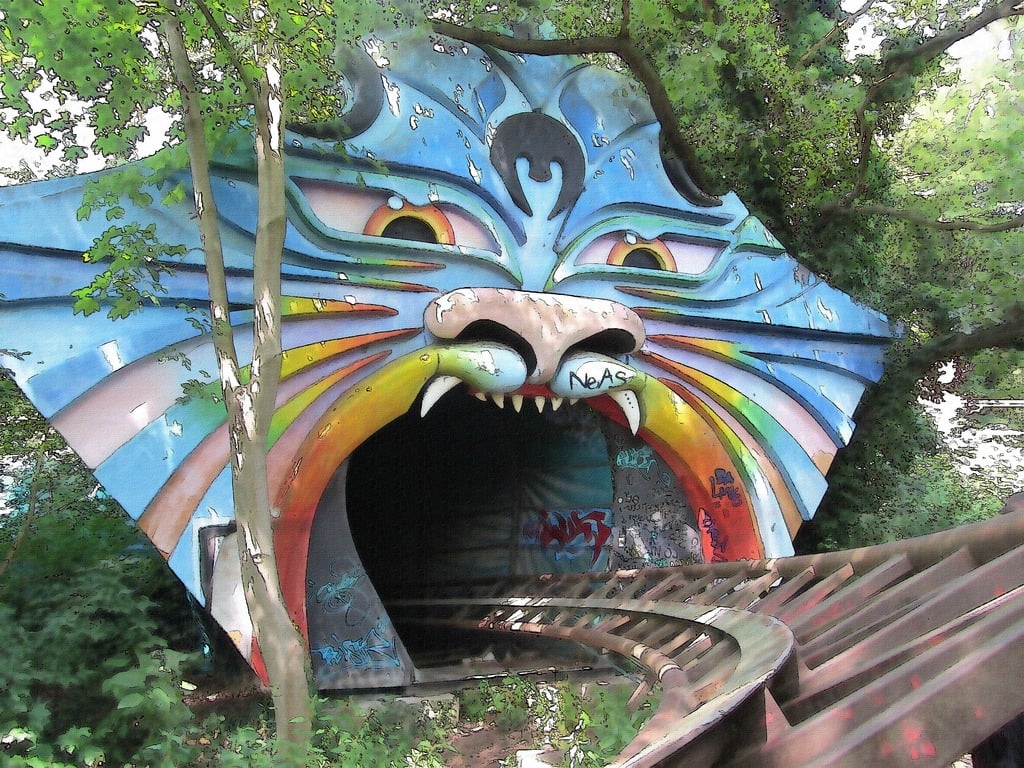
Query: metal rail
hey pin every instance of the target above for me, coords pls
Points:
(900, 654)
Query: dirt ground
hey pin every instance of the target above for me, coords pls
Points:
(485, 746)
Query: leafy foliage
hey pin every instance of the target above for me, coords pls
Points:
(590, 727)
(87, 677)
(137, 262)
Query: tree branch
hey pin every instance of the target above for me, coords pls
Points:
(939, 44)
(900, 64)
(229, 50)
(1007, 333)
(951, 225)
(620, 45)
(206, 206)
(840, 26)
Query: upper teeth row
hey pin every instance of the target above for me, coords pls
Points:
(438, 387)
(517, 400)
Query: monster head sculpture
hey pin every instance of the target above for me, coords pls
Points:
(516, 342)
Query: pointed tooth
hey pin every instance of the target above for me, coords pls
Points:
(539, 402)
(498, 398)
(435, 390)
(480, 396)
(573, 400)
(517, 402)
(556, 403)
(630, 406)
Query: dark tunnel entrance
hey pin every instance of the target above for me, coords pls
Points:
(475, 491)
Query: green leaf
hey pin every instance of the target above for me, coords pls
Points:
(74, 153)
(45, 142)
(131, 701)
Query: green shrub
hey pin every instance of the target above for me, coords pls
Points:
(592, 729)
(613, 724)
(87, 677)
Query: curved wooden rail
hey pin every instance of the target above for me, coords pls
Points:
(723, 653)
(890, 655)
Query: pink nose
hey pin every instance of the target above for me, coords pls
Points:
(542, 327)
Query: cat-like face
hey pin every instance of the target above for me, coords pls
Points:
(515, 342)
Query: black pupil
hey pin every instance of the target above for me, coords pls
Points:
(410, 228)
(642, 258)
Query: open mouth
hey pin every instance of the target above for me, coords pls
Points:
(445, 465)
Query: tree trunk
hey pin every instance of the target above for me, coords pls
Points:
(251, 404)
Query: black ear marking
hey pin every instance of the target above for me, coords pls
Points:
(366, 98)
(542, 140)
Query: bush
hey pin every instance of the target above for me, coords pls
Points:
(88, 677)
(926, 496)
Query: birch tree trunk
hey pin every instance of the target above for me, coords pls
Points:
(250, 404)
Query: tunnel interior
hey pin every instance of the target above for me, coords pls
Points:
(476, 491)
(465, 492)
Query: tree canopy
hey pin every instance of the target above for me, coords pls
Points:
(879, 161)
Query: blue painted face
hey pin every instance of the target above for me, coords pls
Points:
(515, 342)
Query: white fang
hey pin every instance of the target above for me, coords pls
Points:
(435, 390)
(630, 406)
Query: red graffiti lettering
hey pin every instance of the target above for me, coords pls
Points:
(567, 532)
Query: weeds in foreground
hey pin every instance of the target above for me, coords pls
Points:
(99, 646)
(589, 724)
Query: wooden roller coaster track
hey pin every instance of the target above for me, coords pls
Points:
(908, 653)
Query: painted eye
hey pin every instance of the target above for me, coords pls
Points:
(670, 253)
(635, 252)
(346, 208)
(400, 220)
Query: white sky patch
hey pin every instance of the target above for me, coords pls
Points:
(861, 39)
(21, 157)
(995, 452)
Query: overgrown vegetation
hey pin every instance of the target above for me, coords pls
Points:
(590, 725)
(103, 653)
(95, 628)
(888, 170)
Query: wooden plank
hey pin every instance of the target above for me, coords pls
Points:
(786, 591)
(886, 607)
(806, 601)
(851, 597)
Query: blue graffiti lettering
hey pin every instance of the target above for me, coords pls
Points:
(722, 485)
(337, 596)
(641, 458)
(373, 651)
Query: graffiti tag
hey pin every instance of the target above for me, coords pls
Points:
(641, 459)
(723, 485)
(373, 651)
(715, 536)
(568, 533)
(337, 596)
(607, 378)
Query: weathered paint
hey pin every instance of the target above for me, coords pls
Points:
(498, 228)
